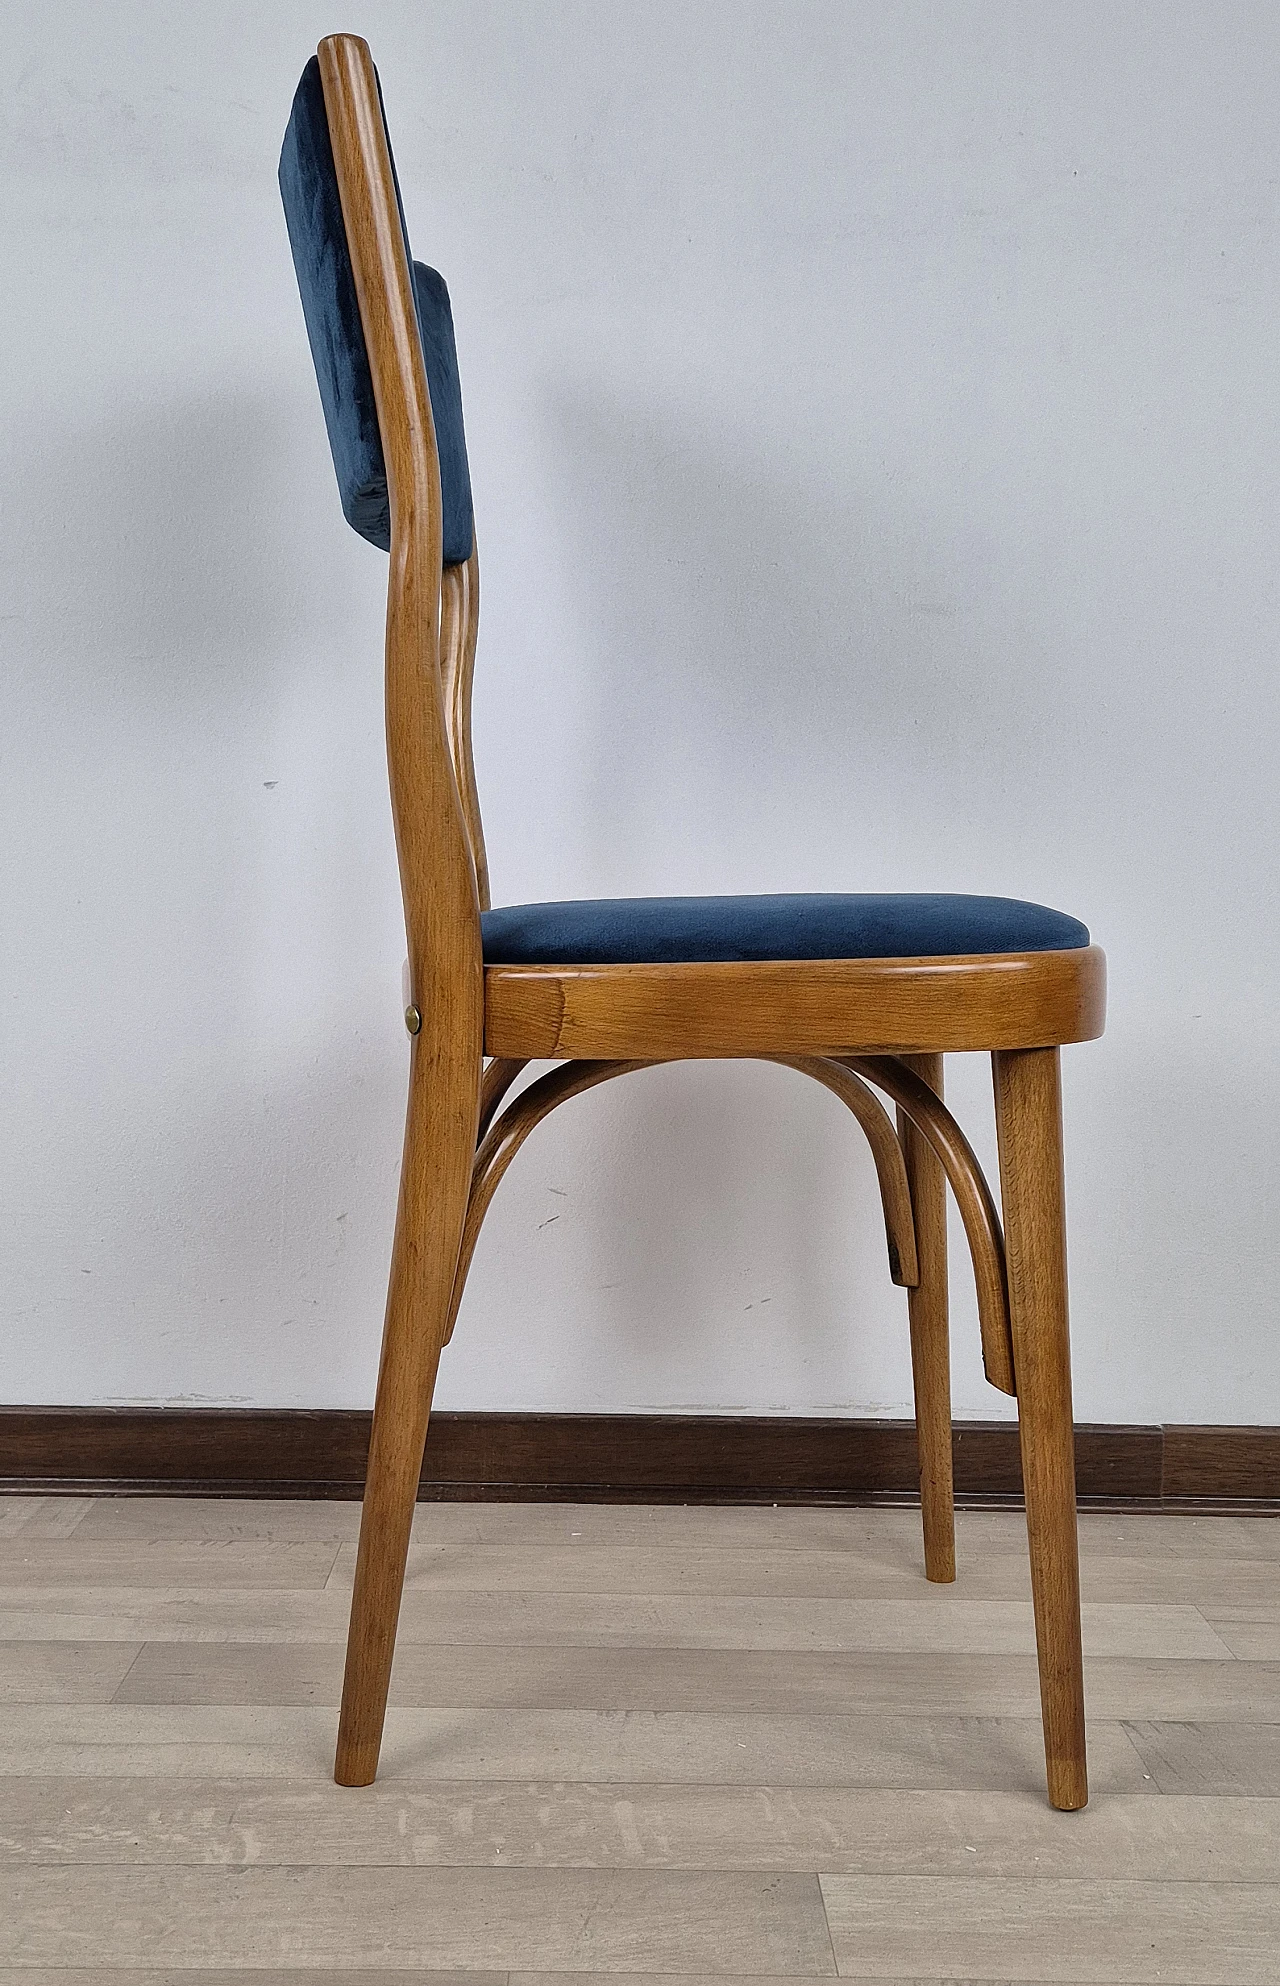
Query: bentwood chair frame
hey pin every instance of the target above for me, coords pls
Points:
(858, 1026)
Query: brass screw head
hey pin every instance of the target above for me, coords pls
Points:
(412, 1019)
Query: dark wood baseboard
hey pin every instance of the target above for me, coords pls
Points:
(612, 1458)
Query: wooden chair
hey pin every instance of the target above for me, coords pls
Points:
(864, 994)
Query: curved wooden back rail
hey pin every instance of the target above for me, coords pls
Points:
(459, 627)
(846, 1023)
(438, 881)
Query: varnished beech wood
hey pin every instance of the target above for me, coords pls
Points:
(504, 1139)
(930, 1338)
(498, 1078)
(973, 1197)
(442, 912)
(459, 627)
(1029, 1126)
(890, 1164)
(834, 1020)
(796, 1006)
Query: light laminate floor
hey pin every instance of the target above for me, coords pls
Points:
(678, 1745)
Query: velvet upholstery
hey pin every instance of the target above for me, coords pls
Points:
(317, 236)
(660, 930)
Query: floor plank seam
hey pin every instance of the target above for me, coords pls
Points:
(826, 1925)
(115, 1694)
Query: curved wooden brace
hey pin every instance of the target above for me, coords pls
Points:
(503, 1139)
(973, 1197)
(497, 1080)
(891, 1171)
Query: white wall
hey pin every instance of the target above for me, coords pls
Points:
(873, 416)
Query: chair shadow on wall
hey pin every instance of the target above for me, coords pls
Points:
(751, 687)
(174, 516)
(183, 615)
(168, 600)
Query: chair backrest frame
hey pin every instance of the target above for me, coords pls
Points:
(459, 627)
(432, 612)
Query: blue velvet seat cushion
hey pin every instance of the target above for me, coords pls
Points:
(326, 280)
(666, 930)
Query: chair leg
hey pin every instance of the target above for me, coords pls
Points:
(1029, 1124)
(438, 1151)
(930, 1346)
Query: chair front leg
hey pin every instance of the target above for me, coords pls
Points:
(1029, 1125)
(930, 1344)
(434, 1182)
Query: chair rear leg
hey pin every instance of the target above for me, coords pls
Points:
(434, 1181)
(1029, 1123)
(930, 1345)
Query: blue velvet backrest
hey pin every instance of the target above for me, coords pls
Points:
(318, 238)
